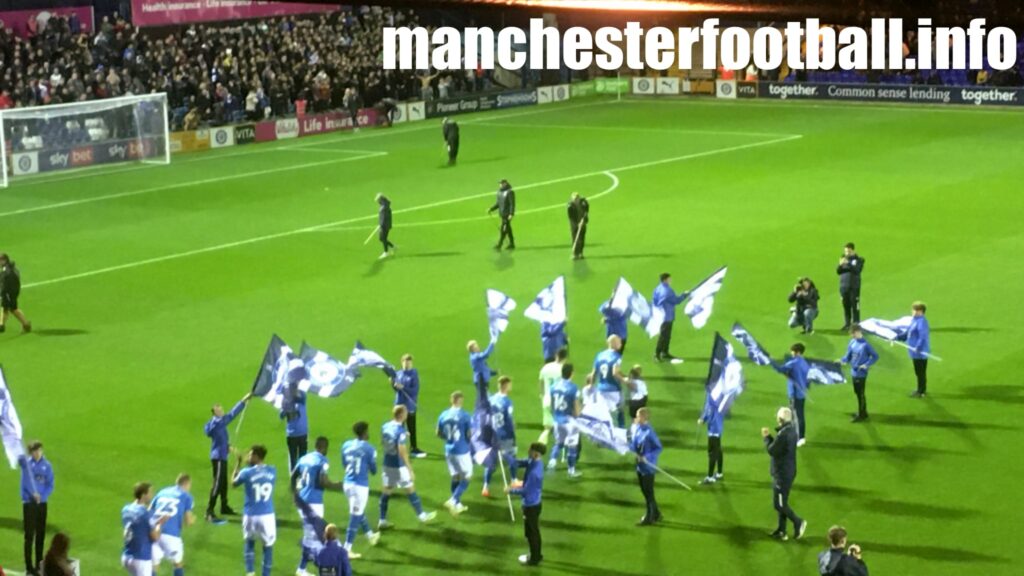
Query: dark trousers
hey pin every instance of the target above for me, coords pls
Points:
(34, 518)
(410, 424)
(780, 499)
(579, 238)
(531, 528)
(921, 371)
(664, 339)
(384, 232)
(506, 232)
(851, 306)
(297, 448)
(635, 405)
(647, 487)
(715, 456)
(453, 151)
(798, 412)
(354, 114)
(859, 384)
(220, 486)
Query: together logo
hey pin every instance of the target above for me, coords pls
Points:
(989, 96)
(784, 91)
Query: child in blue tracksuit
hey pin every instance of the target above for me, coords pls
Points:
(796, 370)
(919, 342)
(714, 420)
(860, 356)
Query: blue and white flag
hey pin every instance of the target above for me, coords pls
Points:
(702, 298)
(626, 299)
(362, 357)
(10, 425)
(279, 375)
(825, 372)
(725, 376)
(887, 329)
(755, 352)
(482, 435)
(326, 376)
(499, 306)
(549, 306)
(595, 422)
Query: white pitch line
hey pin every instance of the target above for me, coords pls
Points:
(635, 129)
(428, 206)
(187, 184)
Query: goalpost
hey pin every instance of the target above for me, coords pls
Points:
(43, 139)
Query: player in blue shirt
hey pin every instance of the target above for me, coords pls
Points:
(796, 369)
(481, 371)
(647, 447)
(258, 520)
(397, 471)
(860, 356)
(308, 481)
(141, 530)
(296, 429)
(565, 407)
(453, 428)
(217, 430)
(504, 432)
(665, 297)
(552, 339)
(530, 490)
(715, 422)
(615, 322)
(407, 393)
(176, 503)
(359, 459)
(919, 344)
(36, 487)
(608, 376)
(333, 559)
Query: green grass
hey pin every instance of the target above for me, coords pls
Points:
(126, 361)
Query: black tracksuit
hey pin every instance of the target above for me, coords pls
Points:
(835, 562)
(579, 217)
(10, 287)
(506, 207)
(849, 287)
(450, 130)
(384, 221)
(782, 449)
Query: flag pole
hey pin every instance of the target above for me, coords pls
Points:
(670, 477)
(504, 480)
(370, 237)
(696, 437)
(905, 345)
(241, 418)
(579, 230)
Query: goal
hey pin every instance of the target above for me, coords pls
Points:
(44, 139)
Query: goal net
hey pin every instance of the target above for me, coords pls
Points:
(45, 139)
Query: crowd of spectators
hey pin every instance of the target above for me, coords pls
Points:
(217, 73)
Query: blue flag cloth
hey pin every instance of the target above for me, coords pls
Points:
(279, 376)
(702, 298)
(549, 306)
(595, 422)
(326, 376)
(627, 300)
(482, 435)
(825, 372)
(755, 352)
(10, 425)
(887, 329)
(362, 357)
(725, 376)
(499, 306)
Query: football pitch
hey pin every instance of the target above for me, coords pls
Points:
(154, 290)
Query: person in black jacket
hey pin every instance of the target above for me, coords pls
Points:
(839, 560)
(450, 131)
(506, 207)
(10, 289)
(805, 296)
(849, 270)
(579, 217)
(782, 449)
(384, 223)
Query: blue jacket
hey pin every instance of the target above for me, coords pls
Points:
(552, 338)
(646, 443)
(409, 395)
(297, 423)
(36, 478)
(478, 361)
(217, 430)
(860, 356)
(714, 419)
(615, 323)
(332, 560)
(796, 370)
(667, 299)
(533, 481)
(918, 338)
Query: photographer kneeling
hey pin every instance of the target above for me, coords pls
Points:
(805, 295)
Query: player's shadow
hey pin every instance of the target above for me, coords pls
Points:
(651, 255)
(913, 421)
(961, 330)
(1000, 394)
(504, 260)
(433, 255)
(918, 510)
(60, 332)
(374, 269)
(932, 553)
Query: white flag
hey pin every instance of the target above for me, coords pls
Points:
(499, 306)
(549, 306)
(888, 329)
(10, 425)
(702, 298)
(641, 313)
